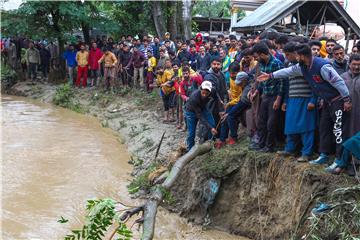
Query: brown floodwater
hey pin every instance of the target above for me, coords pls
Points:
(53, 160)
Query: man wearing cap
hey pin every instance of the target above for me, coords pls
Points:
(167, 38)
(196, 109)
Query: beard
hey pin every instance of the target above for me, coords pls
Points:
(216, 70)
(262, 61)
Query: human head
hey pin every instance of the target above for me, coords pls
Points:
(202, 49)
(160, 70)
(135, 48)
(156, 39)
(354, 64)
(168, 63)
(261, 52)
(167, 35)
(227, 42)
(167, 43)
(214, 49)
(315, 48)
(304, 53)
(175, 66)
(94, 45)
(354, 50)
(82, 47)
(330, 44)
(149, 53)
(290, 51)
(161, 52)
(241, 78)
(216, 64)
(338, 53)
(186, 72)
(233, 41)
(71, 47)
(31, 45)
(205, 88)
(184, 46)
(146, 43)
(126, 48)
(222, 53)
(281, 41)
(234, 68)
(220, 37)
(247, 55)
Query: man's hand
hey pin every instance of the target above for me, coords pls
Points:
(263, 77)
(283, 107)
(277, 103)
(223, 118)
(321, 104)
(310, 106)
(213, 131)
(347, 106)
(253, 95)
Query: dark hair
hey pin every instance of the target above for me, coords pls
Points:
(323, 38)
(269, 35)
(220, 36)
(355, 46)
(269, 44)
(232, 37)
(216, 59)
(234, 67)
(177, 63)
(159, 67)
(149, 51)
(186, 69)
(331, 40)
(315, 43)
(282, 39)
(246, 52)
(304, 49)
(354, 57)
(290, 47)
(338, 47)
(167, 41)
(260, 48)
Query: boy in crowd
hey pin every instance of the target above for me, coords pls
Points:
(150, 71)
(167, 90)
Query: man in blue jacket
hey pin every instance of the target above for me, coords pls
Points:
(325, 83)
(70, 58)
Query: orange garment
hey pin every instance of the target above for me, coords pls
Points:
(323, 52)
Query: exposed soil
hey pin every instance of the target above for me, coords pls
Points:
(261, 196)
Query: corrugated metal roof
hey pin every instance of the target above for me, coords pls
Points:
(266, 13)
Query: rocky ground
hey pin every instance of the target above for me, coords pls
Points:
(261, 196)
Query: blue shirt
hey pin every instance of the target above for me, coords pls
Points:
(70, 57)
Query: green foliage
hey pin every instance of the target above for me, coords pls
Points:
(8, 76)
(100, 216)
(342, 221)
(168, 197)
(64, 97)
(212, 8)
(141, 182)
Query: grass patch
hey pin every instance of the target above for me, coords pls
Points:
(148, 143)
(141, 182)
(65, 97)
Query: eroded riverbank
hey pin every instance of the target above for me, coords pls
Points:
(53, 161)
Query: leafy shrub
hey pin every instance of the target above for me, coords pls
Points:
(64, 97)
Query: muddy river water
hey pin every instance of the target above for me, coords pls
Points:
(53, 160)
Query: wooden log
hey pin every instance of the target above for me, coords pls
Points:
(157, 195)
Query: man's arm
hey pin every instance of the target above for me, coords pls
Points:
(329, 74)
(289, 72)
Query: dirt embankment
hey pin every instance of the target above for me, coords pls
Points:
(260, 196)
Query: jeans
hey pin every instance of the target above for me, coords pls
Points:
(234, 114)
(32, 69)
(307, 139)
(192, 121)
(139, 77)
(71, 71)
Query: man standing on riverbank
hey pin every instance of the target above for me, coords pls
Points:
(110, 62)
(70, 58)
(82, 60)
(94, 56)
(32, 57)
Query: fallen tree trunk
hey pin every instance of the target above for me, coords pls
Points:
(156, 196)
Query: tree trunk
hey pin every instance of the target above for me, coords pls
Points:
(86, 32)
(171, 19)
(187, 6)
(158, 16)
(179, 19)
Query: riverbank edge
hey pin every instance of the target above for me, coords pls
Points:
(271, 200)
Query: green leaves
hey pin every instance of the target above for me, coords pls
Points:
(101, 215)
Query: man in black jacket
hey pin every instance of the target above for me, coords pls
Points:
(196, 109)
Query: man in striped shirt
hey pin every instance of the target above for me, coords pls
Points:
(299, 104)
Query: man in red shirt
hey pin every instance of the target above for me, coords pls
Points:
(94, 55)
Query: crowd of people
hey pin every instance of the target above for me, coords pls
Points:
(281, 88)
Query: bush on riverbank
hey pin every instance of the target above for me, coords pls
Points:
(8, 77)
(65, 97)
